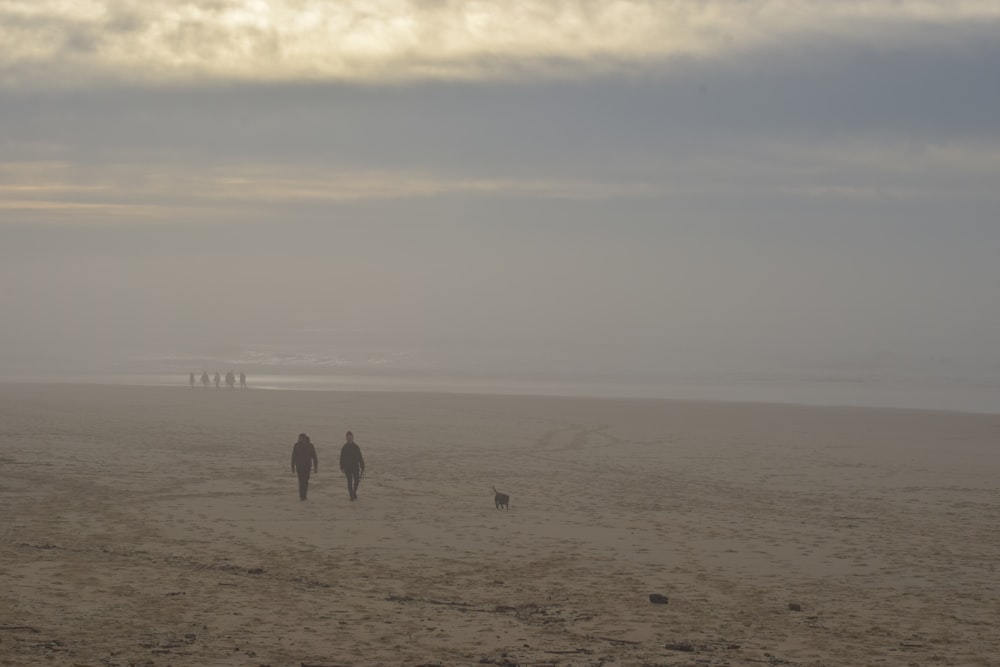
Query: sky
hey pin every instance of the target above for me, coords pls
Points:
(617, 187)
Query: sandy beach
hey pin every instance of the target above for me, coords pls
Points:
(162, 526)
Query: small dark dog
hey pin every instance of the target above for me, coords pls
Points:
(502, 500)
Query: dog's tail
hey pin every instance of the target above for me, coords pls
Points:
(495, 490)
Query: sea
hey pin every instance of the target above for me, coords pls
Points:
(927, 393)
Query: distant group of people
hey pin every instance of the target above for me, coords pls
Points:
(230, 379)
(304, 461)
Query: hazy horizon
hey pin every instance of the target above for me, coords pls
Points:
(598, 189)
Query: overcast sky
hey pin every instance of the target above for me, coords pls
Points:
(615, 186)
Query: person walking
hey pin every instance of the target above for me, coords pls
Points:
(304, 458)
(204, 379)
(352, 464)
(191, 379)
(243, 380)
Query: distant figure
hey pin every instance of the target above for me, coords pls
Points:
(204, 379)
(352, 464)
(192, 379)
(243, 380)
(230, 379)
(217, 379)
(304, 457)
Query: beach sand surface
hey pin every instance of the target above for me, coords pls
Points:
(162, 526)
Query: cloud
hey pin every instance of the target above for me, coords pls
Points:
(67, 43)
(113, 194)
(819, 180)
(864, 104)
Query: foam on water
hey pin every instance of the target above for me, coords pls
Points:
(969, 396)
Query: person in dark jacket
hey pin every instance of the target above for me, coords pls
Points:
(352, 464)
(304, 458)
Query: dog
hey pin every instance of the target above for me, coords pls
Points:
(502, 500)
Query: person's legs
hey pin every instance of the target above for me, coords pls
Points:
(353, 478)
(303, 484)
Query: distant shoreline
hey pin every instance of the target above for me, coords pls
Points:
(985, 401)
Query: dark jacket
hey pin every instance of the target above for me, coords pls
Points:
(304, 455)
(350, 458)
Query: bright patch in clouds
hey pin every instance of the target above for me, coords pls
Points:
(61, 193)
(68, 42)
(67, 194)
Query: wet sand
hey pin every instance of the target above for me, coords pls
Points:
(162, 526)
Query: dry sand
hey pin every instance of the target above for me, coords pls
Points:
(162, 526)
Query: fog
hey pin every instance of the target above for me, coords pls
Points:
(581, 296)
(811, 205)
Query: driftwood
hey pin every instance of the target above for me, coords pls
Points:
(305, 664)
(680, 646)
(459, 606)
(15, 628)
(613, 640)
(407, 598)
(585, 651)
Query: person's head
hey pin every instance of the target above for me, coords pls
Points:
(350, 437)
(303, 437)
